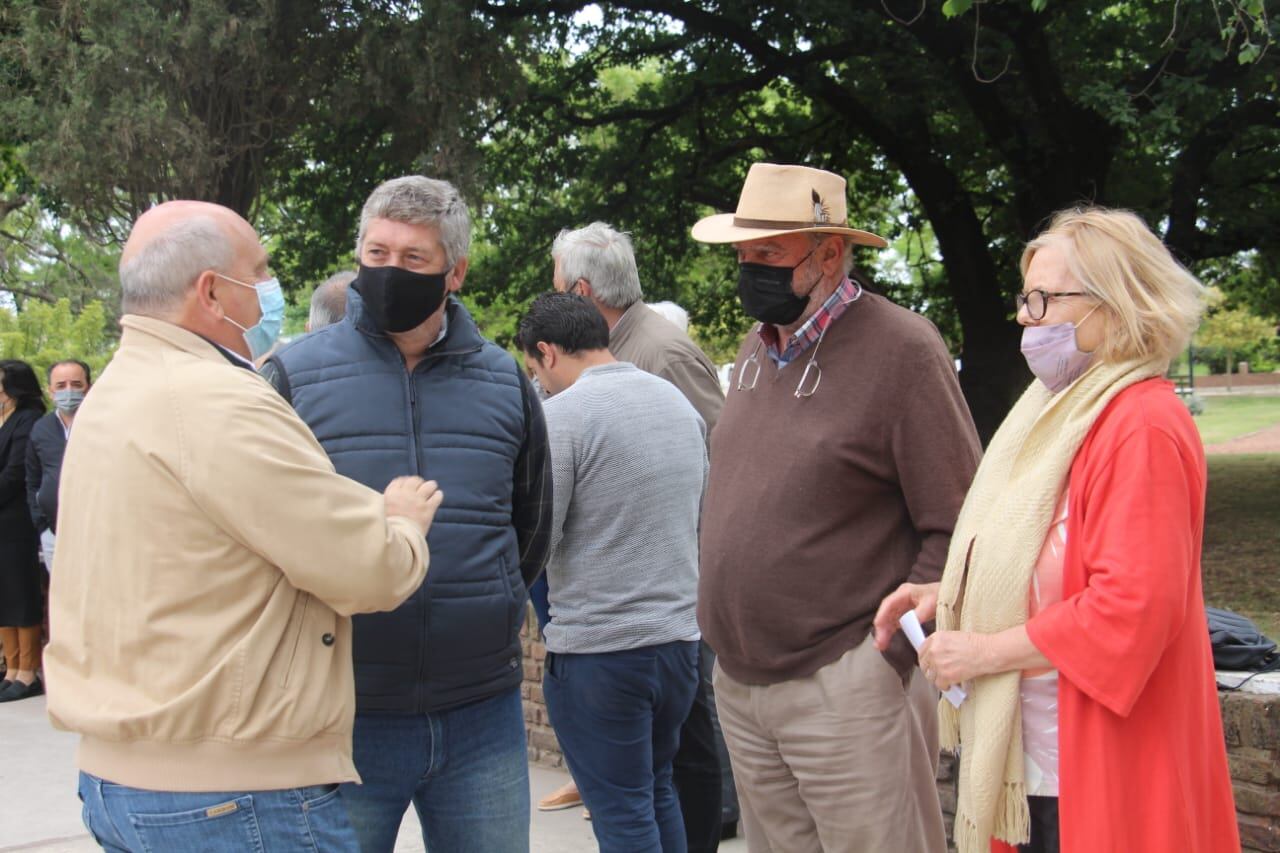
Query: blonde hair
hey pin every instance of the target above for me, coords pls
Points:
(1150, 302)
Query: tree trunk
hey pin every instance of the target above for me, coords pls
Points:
(993, 373)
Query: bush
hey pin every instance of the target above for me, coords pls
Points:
(43, 333)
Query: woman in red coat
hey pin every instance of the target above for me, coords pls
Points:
(1070, 608)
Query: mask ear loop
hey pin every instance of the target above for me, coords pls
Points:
(812, 364)
(227, 316)
(753, 362)
(1075, 327)
(1078, 323)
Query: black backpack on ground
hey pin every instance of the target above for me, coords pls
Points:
(1238, 645)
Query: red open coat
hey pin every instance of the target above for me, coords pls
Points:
(1142, 761)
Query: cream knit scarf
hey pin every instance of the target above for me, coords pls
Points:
(996, 542)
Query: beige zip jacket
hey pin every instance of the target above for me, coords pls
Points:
(208, 561)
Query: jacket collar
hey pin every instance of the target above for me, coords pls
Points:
(233, 357)
(630, 319)
(138, 328)
(462, 335)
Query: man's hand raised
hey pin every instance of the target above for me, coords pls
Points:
(413, 498)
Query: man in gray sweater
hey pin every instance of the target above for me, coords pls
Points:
(629, 466)
(598, 263)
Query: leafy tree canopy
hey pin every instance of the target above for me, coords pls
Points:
(961, 126)
(979, 125)
(306, 103)
(44, 333)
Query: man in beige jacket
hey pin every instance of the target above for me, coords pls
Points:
(200, 609)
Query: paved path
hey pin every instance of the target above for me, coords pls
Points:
(1263, 441)
(41, 812)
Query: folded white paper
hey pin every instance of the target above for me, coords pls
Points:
(911, 627)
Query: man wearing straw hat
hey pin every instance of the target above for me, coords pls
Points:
(838, 467)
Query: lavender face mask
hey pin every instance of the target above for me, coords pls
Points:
(1052, 354)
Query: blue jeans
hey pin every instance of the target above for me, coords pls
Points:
(132, 820)
(618, 716)
(466, 771)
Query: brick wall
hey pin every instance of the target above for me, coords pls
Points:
(1252, 726)
(1251, 722)
(544, 749)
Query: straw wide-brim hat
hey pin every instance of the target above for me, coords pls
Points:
(785, 200)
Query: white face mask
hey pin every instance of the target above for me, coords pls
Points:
(1052, 354)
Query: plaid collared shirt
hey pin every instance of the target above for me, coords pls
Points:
(805, 336)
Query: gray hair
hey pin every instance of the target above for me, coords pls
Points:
(329, 300)
(604, 258)
(156, 279)
(418, 200)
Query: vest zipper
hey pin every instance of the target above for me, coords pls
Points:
(419, 691)
(413, 414)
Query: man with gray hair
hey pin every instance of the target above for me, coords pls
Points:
(406, 381)
(598, 262)
(329, 301)
(200, 606)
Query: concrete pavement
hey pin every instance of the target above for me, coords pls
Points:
(41, 812)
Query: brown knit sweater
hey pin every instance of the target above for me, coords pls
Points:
(818, 507)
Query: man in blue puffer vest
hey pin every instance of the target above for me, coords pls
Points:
(406, 384)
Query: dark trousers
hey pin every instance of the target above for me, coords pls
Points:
(617, 716)
(1044, 826)
(699, 775)
(703, 780)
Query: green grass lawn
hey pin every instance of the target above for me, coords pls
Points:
(1241, 563)
(1226, 416)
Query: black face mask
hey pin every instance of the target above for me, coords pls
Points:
(396, 299)
(766, 293)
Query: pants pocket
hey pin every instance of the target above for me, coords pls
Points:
(325, 813)
(89, 799)
(227, 826)
(87, 819)
(553, 667)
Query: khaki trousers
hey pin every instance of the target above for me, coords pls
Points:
(21, 648)
(842, 761)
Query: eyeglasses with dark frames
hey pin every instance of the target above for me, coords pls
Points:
(1037, 301)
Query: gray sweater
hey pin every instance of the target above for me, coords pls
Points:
(629, 464)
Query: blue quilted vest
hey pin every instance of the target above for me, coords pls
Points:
(457, 419)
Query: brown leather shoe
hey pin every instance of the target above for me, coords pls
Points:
(564, 797)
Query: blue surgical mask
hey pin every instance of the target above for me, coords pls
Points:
(262, 335)
(67, 400)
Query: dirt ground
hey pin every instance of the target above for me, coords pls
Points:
(1263, 441)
